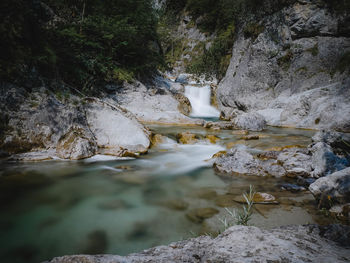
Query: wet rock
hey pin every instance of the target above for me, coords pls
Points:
(158, 139)
(292, 187)
(335, 185)
(225, 200)
(187, 138)
(140, 231)
(233, 144)
(250, 121)
(212, 138)
(240, 132)
(184, 104)
(250, 137)
(324, 161)
(341, 212)
(204, 193)
(259, 198)
(219, 125)
(176, 204)
(305, 182)
(76, 144)
(219, 154)
(97, 243)
(197, 215)
(244, 244)
(237, 161)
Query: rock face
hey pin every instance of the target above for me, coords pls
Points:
(290, 73)
(161, 104)
(244, 244)
(336, 186)
(67, 127)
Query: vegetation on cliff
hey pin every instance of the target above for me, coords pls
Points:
(80, 42)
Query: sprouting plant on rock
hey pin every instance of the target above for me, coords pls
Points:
(240, 217)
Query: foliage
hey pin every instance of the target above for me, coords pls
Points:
(253, 30)
(241, 217)
(215, 60)
(82, 42)
(285, 61)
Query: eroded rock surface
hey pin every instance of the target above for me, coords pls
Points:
(244, 244)
(289, 71)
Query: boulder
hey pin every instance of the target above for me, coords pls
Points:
(76, 144)
(335, 187)
(244, 244)
(250, 121)
(112, 129)
(238, 161)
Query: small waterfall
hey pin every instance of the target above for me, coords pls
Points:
(200, 102)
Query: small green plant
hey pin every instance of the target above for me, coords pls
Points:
(243, 217)
(313, 50)
(239, 217)
(285, 61)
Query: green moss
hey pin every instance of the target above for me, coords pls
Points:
(253, 30)
(314, 50)
(285, 61)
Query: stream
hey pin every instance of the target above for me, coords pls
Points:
(108, 205)
(116, 205)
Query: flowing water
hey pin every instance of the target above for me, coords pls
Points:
(107, 205)
(199, 97)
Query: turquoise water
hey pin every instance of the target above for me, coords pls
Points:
(57, 208)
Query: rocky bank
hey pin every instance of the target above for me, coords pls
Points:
(244, 244)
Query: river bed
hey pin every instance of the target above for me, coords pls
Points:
(107, 205)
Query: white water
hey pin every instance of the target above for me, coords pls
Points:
(200, 102)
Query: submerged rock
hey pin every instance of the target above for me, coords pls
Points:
(245, 244)
(187, 138)
(197, 215)
(259, 198)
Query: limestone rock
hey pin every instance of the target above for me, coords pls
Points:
(288, 73)
(76, 144)
(237, 161)
(335, 185)
(250, 121)
(113, 128)
(259, 198)
(244, 244)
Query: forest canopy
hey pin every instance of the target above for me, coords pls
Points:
(78, 41)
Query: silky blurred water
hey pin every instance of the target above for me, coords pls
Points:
(103, 205)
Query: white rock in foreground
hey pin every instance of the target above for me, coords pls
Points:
(243, 244)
